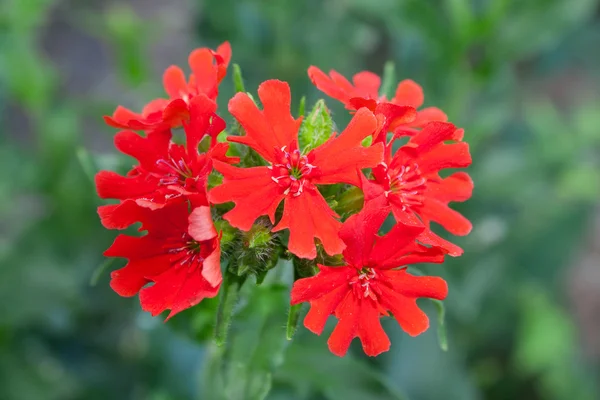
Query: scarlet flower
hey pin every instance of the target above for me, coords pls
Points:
(370, 284)
(291, 176)
(166, 171)
(208, 69)
(180, 255)
(364, 92)
(410, 182)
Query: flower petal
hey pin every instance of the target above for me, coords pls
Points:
(224, 50)
(360, 231)
(431, 239)
(270, 129)
(340, 89)
(348, 313)
(111, 185)
(176, 289)
(374, 339)
(409, 93)
(367, 83)
(121, 117)
(325, 281)
(119, 216)
(392, 246)
(146, 149)
(406, 311)
(175, 113)
(201, 226)
(135, 247)
(154, 108)
(174, 82)
(428, 115)
(454, 155)
(128, 280)
(201, 110)
(340, 157)
(211, 267)
(433, 134)
(408, 285)
(251, 189)
(456, 187)
(308, 216)
(204, 71)
(451, 220)
(323, 307)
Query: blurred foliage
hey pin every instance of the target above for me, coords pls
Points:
(521, 77)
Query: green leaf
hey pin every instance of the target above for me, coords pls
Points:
(87, 163)
(309, 367)
(316, 128)
(441, 320)
(292, 322)
(243, 369)
(389, 80)
(238, 81)
(124, 28)
(100, 270)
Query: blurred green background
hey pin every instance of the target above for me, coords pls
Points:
(523, 315)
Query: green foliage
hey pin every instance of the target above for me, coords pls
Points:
(520, 76)
(238, 81)
(389, 81)
(255, 349)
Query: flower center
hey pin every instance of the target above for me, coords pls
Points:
(185, 251)
(364, 285)
(292, 171)
(175, 171)
(408, 184)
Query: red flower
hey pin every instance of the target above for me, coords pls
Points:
(411, 184)
(208, 69)
(292, 176)
(364, 92)
(166, 171)
(370, 285)
(179, 255)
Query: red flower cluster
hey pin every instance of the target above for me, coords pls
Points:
(167, 192)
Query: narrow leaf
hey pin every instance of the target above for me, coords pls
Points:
(441, 319)
(389, 80)
(87, 163)
(100, 270)
(238, 81)
(292, 322)
(302, 107)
